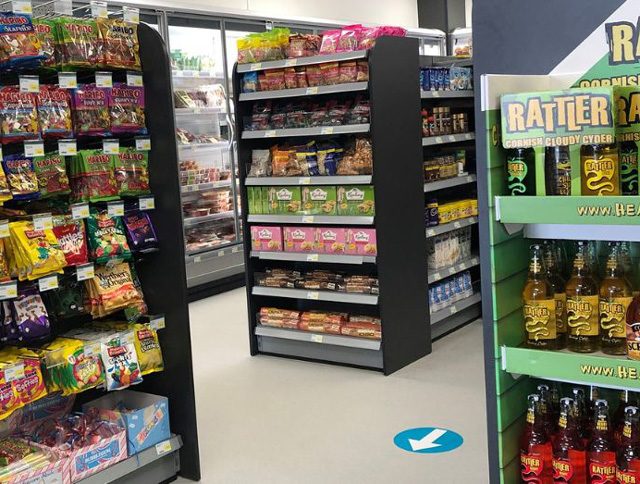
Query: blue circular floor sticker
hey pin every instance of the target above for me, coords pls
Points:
(428, 440)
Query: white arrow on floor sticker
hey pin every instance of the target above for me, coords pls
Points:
(428, 441)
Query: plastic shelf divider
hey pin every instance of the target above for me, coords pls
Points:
(446, 94)
(317, 131)
(314, 257)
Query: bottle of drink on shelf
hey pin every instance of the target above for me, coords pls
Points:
(602, 447)
(627, 399)
(628, 455)
(569, 454)
(582, 307)
(554, 393)
(580, 404)
(627, 266)
(521, 172)
(557, 171)
(592, 261)
(633, 329)
(628, 153)
(555, 279)
(539, 305)
(535, 446)
(546, 409)
(599, 170)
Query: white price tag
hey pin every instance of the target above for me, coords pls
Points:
(143, 144)
(33, 148)
(115, 209)
(456, 225)
(291, 62)
(134, 79)
(21, 6)
(99, 9)
(454, 310)
(29, 84)
(437, 276)
(79, 211)
(4, 229)
(312, 257)
(8, 290)
(157, 322)
(452, 270)
(63, 7)
(131, 15)
(256, 66)
(452, 138)
(68, 80)
(104, 79)
(467, 136)
(312, 90)
(14, 372)
(270, 133)
(438, 139)
(42, 221)
(463, 266)
(326, 130)
(68, 147)
(196, 111)
(431, 232)
(313, 295)
(307, 219)
(317, 338)
(235, 249)
(146, 203)
(304, 180)
(85, 272)
(48, 282)
(163, 447)
(111, 146)
(221, 253)
(435, 93)
(197, 259)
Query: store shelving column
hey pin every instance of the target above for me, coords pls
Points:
(400, 263)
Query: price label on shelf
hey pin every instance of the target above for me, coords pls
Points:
(431, 232)
(435, 93)
(48, 282)
(115, 209)
(63, 7)
(291, 62)
(33, 148)
(312, 257)
(317, 338)
(79, 211)
(42, 221)
(67, 80)
(467, 136)
(463, 266)
(235, 249)
(147, 203)
(326, 130)
(454, 310)
(8, 290)
(196, 111)
(307, 219)
(99, 9)
(437, 276)
(452, 270)
(104, 79)
(313, 295)
(67, 147)
(163, 447)
(85, 272)
(21, 6)
(131, 15)
(4, 229)
(305, 180)
(143, 143)
(221, 253)
(456, 225)
(197, 259)
(256, 66)
(29, 84)
(134, 79)
(111, 146)
(312, 90)
(452, 138)
(14, 372)
(271, 133)
(439, 139)
(157, 322)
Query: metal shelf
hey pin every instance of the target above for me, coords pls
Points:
(446, 94)
(311, 219)
(314, 257)
(439, 274)
(135, 462)
(202, 147)
(332, 296)
(320, 338)
(302, 61)
(309, 180)
(193, 74)
(444, 228)
(190, 221)
(200, 187)
(305, 91)
(191, 111)
(448, 138)
(465, 303)
(221, 250)
(317, 131)
(448, 183)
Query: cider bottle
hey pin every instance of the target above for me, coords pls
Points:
(628, 153)
(521, 172)
(557, 169)
(633, 329)
(628, 455)
(615, 298)
(546, 409)
(627, 267)
(580, 404)
(627, 399)
(535, 446)
(599, 170)
(602, 447)
(569, 454)
(558, 285)
(539, 305)
(582, 307)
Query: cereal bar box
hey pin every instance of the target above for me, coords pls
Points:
(332, 240)
(266, 238)
(285, 200)
(319, 200)
(299, 239)
(355, 200)
(362, 242)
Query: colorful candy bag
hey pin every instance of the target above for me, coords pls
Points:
(51, 172)
(68, 300)
(141, 234)
(106, 237)
(112, 289)
(21, 176)
(148, 349)
(31, 386)
(46, 33)
(5, 274)
(9, 398)
(5, 191)
(126, 109)
(36, 251)
(91, 112)
(19, 44)
(54, 112)
(18, 114)
(78, 44)
(119, 43)
(10, 332)
(79, 371)
(71, 238)
(120, 363)
(132, 174)
(30, 313)
(92, 177)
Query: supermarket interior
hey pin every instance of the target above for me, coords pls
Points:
(319, 242)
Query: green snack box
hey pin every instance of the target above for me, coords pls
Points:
(285, 200)
(254, 199)
(355, 200)
(266, 207)
(319, 200)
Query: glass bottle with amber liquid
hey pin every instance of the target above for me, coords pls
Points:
(615, 298)
(601, 453)
(569, 454)
(599, 170)
(627, 398)
(628, 455)
(628, 154)
(521, 172)
(633, 329)
(557, 168)
(627, 266)
(535, 446)
(539, 305)
(554, 277)
(582, 307)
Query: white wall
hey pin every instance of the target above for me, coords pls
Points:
(468, 5)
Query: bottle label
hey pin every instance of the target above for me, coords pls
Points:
(536, 463)
(602, 467)
(631, 475)
(629, 172)
(540, 319)
(612, 316)
(516, 173)
(561, 315)
(563, 177)
(582, 315)
(599, 175)
(570, 469)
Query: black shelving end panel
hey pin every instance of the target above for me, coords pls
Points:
(399, 193)
(162, 274)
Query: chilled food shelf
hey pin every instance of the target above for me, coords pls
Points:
(321, 338)
(316, 131)
(311, 219)
(442, 314)
(192, 111)
(200, 187)
(221, 249)
(448, 183)
(305, 91)
(446, 94)
(309, 180)
(447, 138)
(190, 74)
(444, 228)
(320, 258)
(190, 221)
(331, 296)
(200, 147)
(436, 275)
(302, 61)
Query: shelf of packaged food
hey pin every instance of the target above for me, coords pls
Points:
(446, 94)
(305, 91)
(316, 131)
(308, 180)
(314, 257)
(214, 251)
(135, 462)
(451, 60)
(199, 187)
(583, 368)
(190, 73)
(189, 221)
(320, 338)
(448, 183)
(448, 138)
(329, 296)
(311, 219)
(444, 228)
(192, 111)
(200, 147)
(460, 305)
(302, 61)
(436, 275)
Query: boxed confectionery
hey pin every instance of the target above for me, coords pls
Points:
(34, 464)
(266, 238)
(285, 200)
(332, 240)
(355, 200)
(145, 416)
(299, 239)
(319, 200)
(362, 242)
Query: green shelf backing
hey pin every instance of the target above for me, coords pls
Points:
(497, 232)
(509, 331)
(496, 184)
(505, 380)
(509, 258)
(507, 294)
(509, 443)
(511, 473)
(512, 403)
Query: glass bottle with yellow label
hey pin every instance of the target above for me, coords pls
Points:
(615, 297)
(582, 307)
(539, 305)
(557, 283)
(599, 170)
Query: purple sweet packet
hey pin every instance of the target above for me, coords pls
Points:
(9, 328)
(90, 110)
(126, 109)
(30, 314)
(140, 231)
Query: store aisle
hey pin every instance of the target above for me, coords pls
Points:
(272, 420)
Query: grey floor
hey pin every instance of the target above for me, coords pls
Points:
(272, 420)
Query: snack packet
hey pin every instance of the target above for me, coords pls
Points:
(30, 313)
(37, 252)
(5, 191)
(10, 332)
(112, 289)
(330, 73)
(290, 80)
(121, 366)
(51, 172)
(348, 72)
(126, 109)
(131, 172)
(314, 76)
(250, 82)
(78, 44)
(92, 177)
(120, 47)
(9, 398)
(46, 33)
(54, 112)
(349, 38)
(5, 275)
(71, 238)
(68, 300)
(359, 113)
(21, 176)
(142, 237)
(330, 40)
(19, 44)
(261, 112)
(148, 349)
(106, 236)
(80, 371)
(18, 113)
(31, 386)
(91, 112)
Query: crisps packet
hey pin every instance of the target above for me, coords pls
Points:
(21, 176)
(5, 191)
(19, 44)
(126, 109)
(107, 239)
(132, 173)
(46, 32)
(92, 177)
(31, 386)
(18, 114)
(10, 333)
(148, 349)
(120, 362)
(51, 172)
(78, 44)
(71, 238)
(119, 43)
(54, 112)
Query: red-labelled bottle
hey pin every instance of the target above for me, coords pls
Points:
(628, 458)
(569, 454)
(627, 399)
(602, 448)
(579, 401)
(546, 408)
(535, 446)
